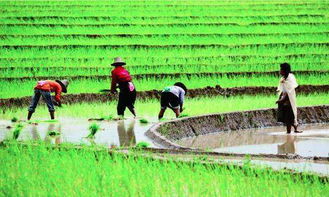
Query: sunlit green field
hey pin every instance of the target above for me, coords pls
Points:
(88, 173)
(66, 39)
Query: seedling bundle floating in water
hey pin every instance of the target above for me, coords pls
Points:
(53, 133)
(17, 131)
(143, 121)
(93, 128)
(14, 119)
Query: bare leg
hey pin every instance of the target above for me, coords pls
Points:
(176, 112)
(162, 111)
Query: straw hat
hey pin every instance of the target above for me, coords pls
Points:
(118, 62)
(64, 84)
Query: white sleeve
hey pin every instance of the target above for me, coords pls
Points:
(181, 96)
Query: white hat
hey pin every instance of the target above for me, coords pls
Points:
(118, 62)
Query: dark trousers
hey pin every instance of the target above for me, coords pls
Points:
(127, 98)
(46, 97)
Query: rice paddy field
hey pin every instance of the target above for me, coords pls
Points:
(226, 43)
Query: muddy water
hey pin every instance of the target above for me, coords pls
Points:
(111, 134)
(314, 141)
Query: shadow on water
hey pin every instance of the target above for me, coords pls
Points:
(126, 132)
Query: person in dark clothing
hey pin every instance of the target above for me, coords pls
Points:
(44, 88)
(173, 97)
(287, 107)
(127, 95)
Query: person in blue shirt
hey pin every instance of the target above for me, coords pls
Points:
(173, 97)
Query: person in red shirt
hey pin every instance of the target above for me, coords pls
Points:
(44, 88)
(127, 95)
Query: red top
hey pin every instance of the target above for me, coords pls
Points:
(50, 86)
(119, 74)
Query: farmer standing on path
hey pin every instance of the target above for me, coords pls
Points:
(173, 97)
(287, 106)
(127, 95)
(44, 88)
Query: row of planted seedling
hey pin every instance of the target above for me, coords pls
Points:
(150, 107)
(162, 19)
(25, 87)
(52, 71)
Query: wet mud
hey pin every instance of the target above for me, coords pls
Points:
(155, 94)
(121, 133)
(168, 75)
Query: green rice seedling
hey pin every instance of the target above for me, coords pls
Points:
(142, 145)
(150, 107)
(14, 119)
(95, 172)
(108, 117)
(17, 131)
(147, 69)
(235, 39)
(226, 81)
(53, 133)
(143, 121)
(183, 115)
(93, 129)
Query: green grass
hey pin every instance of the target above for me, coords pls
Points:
(150, 108)
(88, 173)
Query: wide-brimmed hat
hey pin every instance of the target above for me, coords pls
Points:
(64, 84)
(118, 62)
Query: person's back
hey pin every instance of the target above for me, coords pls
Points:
(173, 97)
(127, 95)
(44, 88)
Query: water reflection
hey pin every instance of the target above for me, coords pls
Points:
(289, 147)
(56, 138)
(34, 132)
(126, 136)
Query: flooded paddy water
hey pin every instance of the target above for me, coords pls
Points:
(313, 142)
(126, 132)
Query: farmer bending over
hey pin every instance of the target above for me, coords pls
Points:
(173, 97)
(127, 95)
(44, 88)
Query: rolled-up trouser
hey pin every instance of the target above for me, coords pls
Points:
(127, 98)
(46, 97)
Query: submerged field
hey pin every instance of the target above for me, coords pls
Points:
(201, 43)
